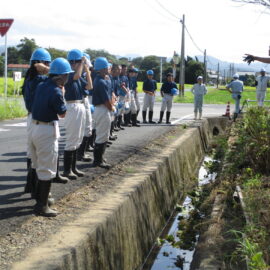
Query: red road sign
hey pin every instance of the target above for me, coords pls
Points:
(5, 25)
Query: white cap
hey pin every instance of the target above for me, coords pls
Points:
(199, 77)
(236, 76)
(262, 70)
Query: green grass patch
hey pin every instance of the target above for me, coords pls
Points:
(10, 86)
(11, 108)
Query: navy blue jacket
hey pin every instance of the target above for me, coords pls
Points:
(30, 89)
(101, 91)
(48, 103)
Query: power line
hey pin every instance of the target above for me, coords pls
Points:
(164, 16)
(168, 11)
(193, 41)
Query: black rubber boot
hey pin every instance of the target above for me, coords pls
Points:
(81, 156)
(144, 117)
(126, 120)
(151, 118)
(92, 138)
(33, 177)
(73, 165)
(67, 165)
(42, 208)
(35, 195)
(88, 147)
(99, 161)
(137, 117)
(119, 122)
(168, 115)
(161, 117)
(59, 178)
(134, 120)
(28, 186)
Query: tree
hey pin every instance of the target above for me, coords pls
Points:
(193, 70)
(137, 61)
(101, 53)
(26, 48)
(57, 53)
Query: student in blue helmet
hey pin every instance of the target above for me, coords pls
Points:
(149, 88)
(125, 95)
(102, 100)
(81, 152)
(75, 116)
(37, 73)
(136, 72)
(167, 97)
(48, 107)
(132, 94)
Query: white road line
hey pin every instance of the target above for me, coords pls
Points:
(2, 129)
(190, 115)
(23, 124)
(182, 118)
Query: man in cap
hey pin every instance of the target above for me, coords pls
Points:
(198, 90)
(236, 87)
(261, 81)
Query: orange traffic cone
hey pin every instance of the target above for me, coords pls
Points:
(227, 113)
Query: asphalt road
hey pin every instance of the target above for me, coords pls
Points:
(16, 207)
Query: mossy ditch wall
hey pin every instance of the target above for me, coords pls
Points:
(118, 231)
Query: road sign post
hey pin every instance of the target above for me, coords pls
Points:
(4, 27)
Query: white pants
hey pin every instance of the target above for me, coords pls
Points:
(136, 96)
(44, 150)
(102, 117)
(133, 105)
(260, 97)
(74, 124)
(88, 118)
(166, 103)
(148, 102)
(28, 129)
(121, 99)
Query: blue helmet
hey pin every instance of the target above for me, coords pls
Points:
(41, 54)
(150, 72)
(60, 66)
(174, 91)
(74, 55)
(87, 56)
(92, 108)
(101, 63)
(121, 92)
(120, 105)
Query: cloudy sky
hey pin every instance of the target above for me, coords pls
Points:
(224, 28)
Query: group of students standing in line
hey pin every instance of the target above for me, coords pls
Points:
(77, 91)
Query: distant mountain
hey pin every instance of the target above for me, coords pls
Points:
(212, 64)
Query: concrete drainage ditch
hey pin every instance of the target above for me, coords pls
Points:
(118, 231)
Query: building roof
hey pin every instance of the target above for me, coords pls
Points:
(18, 66)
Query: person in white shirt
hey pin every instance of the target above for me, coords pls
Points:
(262, 81)
(198, 90)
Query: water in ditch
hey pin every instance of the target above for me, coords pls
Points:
(167, 254)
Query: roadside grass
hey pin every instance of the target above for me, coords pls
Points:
(10, 86)
(11, 108)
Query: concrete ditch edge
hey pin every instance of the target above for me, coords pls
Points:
(118, 231)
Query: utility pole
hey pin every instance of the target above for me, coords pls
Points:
(6, 60)
(205, 67)
(217, 75)
(160, 70)
(182, 63)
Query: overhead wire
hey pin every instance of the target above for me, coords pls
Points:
(168, 11)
